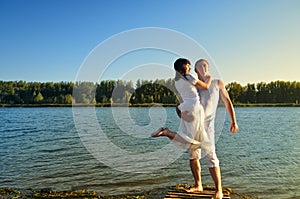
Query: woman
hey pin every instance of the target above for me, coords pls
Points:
(192, 134)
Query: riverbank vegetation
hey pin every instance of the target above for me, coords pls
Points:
(141, 94)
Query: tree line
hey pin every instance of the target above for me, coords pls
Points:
(274, 92)
(143, 92)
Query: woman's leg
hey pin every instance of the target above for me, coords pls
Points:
(170, 134)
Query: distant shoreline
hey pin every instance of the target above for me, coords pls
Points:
(267, 105)
(135, 105)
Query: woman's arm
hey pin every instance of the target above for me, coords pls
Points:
(205, 85)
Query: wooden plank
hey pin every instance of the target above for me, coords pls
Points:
(187, 195)
(205, 192)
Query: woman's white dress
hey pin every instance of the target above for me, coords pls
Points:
(193, 132)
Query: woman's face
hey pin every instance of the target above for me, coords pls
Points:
(187, 69)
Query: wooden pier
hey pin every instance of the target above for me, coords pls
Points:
(180, 193)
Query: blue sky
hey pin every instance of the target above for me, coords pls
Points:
(250, 41)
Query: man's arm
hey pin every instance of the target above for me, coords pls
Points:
(229, 107)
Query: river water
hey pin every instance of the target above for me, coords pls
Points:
(109, 150)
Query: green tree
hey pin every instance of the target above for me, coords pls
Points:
(250, 93)
(236, 92)
(263, 93)
(84, 92)
(38, 98)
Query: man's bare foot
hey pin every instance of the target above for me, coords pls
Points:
(218, 195)
(158, 133)
(195, 189)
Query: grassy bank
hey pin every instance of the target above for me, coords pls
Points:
(141, 105)
(85, 105)
(267, 105)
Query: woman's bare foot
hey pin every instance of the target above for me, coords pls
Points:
(195, 189)
(159, 132)
(218, 195)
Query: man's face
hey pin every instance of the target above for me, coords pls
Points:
(202, 68)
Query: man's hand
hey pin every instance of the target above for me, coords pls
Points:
(234, 128)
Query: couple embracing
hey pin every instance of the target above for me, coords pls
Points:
(197, 110)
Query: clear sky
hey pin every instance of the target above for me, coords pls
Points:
(249, 40)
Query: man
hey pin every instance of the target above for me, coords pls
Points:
(209, 100)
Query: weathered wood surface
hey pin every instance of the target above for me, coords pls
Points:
(206, 193)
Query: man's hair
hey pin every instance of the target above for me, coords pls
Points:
(200, 60)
